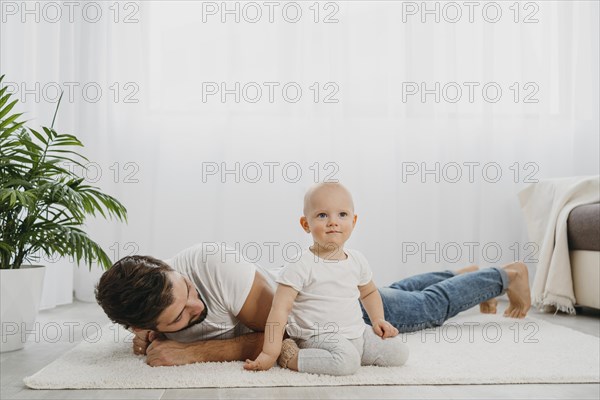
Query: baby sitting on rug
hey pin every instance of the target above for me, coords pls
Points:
(317, 298)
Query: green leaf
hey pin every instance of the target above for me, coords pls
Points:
(18, 182)
(9, 120)
(6, 247)
(39, 136)
(4, 97)
(5, 110)
(50, 132)
(74, 183)
(5, 132)
(21, 159)
(43, 206)
(5, 193)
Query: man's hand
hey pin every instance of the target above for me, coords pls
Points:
(263, 362)
(384, 329)
(164, 352)
(142, 340)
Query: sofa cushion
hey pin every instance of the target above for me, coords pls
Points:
(583, 227)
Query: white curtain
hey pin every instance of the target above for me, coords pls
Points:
(366, 125)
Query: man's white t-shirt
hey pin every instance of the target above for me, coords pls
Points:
(224, 280)
(328, 295)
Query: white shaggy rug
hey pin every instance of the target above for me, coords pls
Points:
(472, 349)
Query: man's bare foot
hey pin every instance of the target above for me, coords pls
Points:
(519, 296)
(470, 268)
(489, 306)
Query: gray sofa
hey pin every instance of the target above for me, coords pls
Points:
(583, 230)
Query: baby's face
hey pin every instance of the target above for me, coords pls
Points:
(329, 217)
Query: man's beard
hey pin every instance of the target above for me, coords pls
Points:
(198, 320)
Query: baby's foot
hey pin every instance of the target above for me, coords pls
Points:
(289, 350)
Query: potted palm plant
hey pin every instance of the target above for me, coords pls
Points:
(42, 209)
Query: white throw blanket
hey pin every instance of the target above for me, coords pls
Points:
(546, 206)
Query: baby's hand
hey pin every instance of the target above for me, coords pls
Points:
(262, 363)
(384, 329)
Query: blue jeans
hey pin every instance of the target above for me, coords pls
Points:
(427, 300)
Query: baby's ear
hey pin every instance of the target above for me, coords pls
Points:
(355, 217)
(304, 224)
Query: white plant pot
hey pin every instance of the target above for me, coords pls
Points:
(58, 283)
(20, 293)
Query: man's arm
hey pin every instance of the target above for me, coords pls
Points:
(257, 306)
(169, 352)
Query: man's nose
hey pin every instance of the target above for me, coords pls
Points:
(197, 307)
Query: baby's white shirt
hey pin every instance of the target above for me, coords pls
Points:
(328, 295)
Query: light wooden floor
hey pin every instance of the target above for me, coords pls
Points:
(16, 365)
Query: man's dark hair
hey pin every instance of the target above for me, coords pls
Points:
(135, 291)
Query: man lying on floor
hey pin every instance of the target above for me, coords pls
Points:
(208, 304)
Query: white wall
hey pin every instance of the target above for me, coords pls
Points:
(370, 135)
